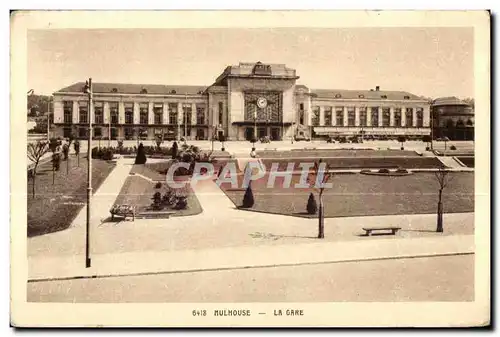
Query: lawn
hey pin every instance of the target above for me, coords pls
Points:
(55, 206)
(139, 192)
(467, 161)
(358, 162)
(364, 195)
(299, 153)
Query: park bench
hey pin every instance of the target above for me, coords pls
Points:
(123, 211)
(393, 230)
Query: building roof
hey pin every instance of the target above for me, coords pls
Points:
(120, 88)
(448, 101)
(364, 94)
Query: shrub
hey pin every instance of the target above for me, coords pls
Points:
(365, 171)
(181, 203)
(248, 200)
(427, 148)
(175, 150)
(383, 170)
(453, 147)
(158, 185)
(401, 170)
(141, 155)
(312, 206)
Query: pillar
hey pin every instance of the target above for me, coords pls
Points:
(193, 113)
(391, 116)
(403, 117)
(368, 116)
(136, 113)
(165, 113)
(380, 116)
(356, 116)
(321, 115)
(121, 112)
(76, 112)
(345, 119)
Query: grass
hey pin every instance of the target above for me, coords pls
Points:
(139, 192)
(364, 195)
(335, 153)
(55, 206)
(359, 162)
(467, 161)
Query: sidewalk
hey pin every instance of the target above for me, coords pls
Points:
(105, 196)
(106, 265)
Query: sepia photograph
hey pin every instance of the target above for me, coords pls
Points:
(210, 169)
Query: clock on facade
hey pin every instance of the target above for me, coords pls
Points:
(261, 102)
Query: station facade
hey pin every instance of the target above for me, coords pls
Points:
(246, 100)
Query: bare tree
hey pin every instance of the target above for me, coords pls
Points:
(318, 178)
(443, 178)
(35, 153)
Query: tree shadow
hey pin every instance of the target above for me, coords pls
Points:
(419, 230)
(116, 220)
(274, 237)
(375, 234)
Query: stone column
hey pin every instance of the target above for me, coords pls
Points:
(121, 112)
(151, 117)
(321, 115)
(403, 117)
(165, 113)
(346, 123)
(414, 117)
(356, 114)
(391, 118)
(380, 116)
(368, 116)
(106, 112)
(76, 112)
(136, 113)
(193, 113)
(180, 113)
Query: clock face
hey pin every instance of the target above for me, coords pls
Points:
(261, 102)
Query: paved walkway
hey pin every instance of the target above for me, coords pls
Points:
(105, 196)
(46, 268)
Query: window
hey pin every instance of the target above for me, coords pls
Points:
(301, 106)
(221, 112)
(187, 114)
(172, 110)
(420, 117)
(460, 123)
(114, 133)
(84, 112)
(407, 97)
(351, 116)
(386, 117)
(362, 116)
(129, 133)
(129, 113)
(470, 123)
(82, 133)
(301, 117)
(143, 113)
(158, 113)
(361, 96)
(409, 117)
(67, 132)
(383, 96)
(374, 115)
(68, 111)
(200, 115)
(338, 95)
(97, 132)
(397, 117)
(339, 116)
(144, 91)
(315, 116)
(113, 111)
(328, 115)
(98, 113)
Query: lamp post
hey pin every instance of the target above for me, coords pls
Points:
(184, 109)
(48, 121)
(88, 90)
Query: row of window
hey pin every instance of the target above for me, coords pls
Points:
(129, 113)
(129, 132)
(363, 114)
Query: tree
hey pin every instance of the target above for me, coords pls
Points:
(76, 146)
(445, 140)
(312, 206)
(35, 152)
(175, 150)
(158, 141)
(320, 174)
(443, 178)
(402, 140)
(141, 155)
(427, 139)
(248, 200)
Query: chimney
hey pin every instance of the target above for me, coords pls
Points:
(377, 88)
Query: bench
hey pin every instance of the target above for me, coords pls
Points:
(123, 211)
(393, 230)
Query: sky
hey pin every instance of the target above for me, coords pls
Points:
(431, 62)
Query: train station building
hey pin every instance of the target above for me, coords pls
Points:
(245, 100)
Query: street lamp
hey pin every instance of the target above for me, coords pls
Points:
(88, 90)
(184, 109)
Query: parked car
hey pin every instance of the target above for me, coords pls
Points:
(330, 140)
(299, 138)
(265, 139)
(343, 140)
(356, 140)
